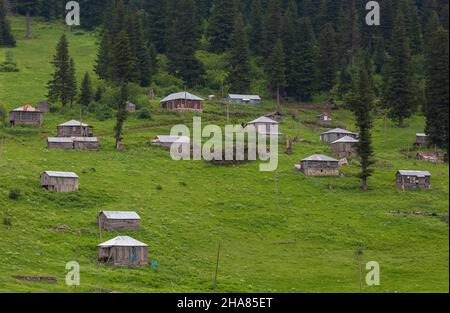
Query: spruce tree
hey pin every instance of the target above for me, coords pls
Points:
(102, 66)
(86, 91)
(271, 26)
(326, 63)
(123, 62)
(71, 86)
(220, 25)
(276, 70)
(290, 39)
(6, 37)
(256, 28)
(437, 89)
(121, 115)
(240, 74)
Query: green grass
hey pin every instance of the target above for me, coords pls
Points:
(280, 232)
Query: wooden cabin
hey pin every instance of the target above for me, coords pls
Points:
(60, 143)
(345, 147)
(413, 179)
(168, 141)
(323, 118)
(319, 165)
(244, 99)
(43, 106)
(182, 101)
(264, 125)
(422, 140)
(85, 143)
(60, 181)
(26, 115)
(123, 251)
(115, 220)
(131, 107)
(74, 128)
(336, 134)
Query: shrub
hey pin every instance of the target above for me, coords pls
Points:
(159, 187)
(144, 114)
(14, 194)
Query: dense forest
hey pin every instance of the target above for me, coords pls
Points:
(287, 49)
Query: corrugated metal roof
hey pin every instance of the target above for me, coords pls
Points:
(74, 123)
(85, 139)
(122, 241)
(172, 139)
(61, 174)
(244, 97)
(346, 139)
(181, 95)
(414, 173)
(27, 108)
(60, 139)
(263, 120)
(320, 157)
(121, 215)
(339, 131)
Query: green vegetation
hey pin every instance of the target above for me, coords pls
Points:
(279, 232)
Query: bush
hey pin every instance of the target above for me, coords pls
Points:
(9, 65)
(14, 194)
(144, 114)
(103, 112)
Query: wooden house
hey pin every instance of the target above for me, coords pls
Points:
(319, 165)
(59, 143)
(114, 220)
(60, 181)
(123, 251)
(26, 115)
(182, 101)
(323, 118)
(336, 134)
(43, 106)
(345, 147)
(244, 99)
(265, 125)
(131, 107)
(413, 179)
(85, 143)
(422, 140)
(74, 128)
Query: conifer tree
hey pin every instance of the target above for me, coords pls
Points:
(276, 70)
(6, 37)
(290, 39)
(240, 74)
(102, 66)
(256, 28)
(220, 25)
(326, 63)
(271, 26)
(86, 95)
(122, 114)
(71, 90)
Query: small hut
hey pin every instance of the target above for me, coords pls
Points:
(168, 141)
(422, 140)
(336, 134)
(60, 143)
(60, 181)
(131, 107)
(43, 106)
(323, 118)
(244, 99)
(345, 147)
(74, 128)
(85, 143)
(319, 165)
(264, 124)
(123, 251)
(26, 115)
(413, 179)
(114, 220)
(182, 101)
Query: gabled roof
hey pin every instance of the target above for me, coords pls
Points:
(339, 131)
(74, 123)
(414, 173)
(263, 120)
(61, 174)
(181, 96)
(244, 97)
(27, 108)
(172, 139)
(320, 157)
(121, 215)
(60, 139)
(346, 139)
(122, 241)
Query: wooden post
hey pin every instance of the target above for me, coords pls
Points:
(217, 267)
(359, 253)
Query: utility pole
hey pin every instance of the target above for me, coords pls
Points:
(217, 267)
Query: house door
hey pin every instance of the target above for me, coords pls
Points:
(133, 255)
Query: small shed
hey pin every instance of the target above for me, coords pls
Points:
(323, 118)
(26, 115)
(85, 143)
(74, 128)
(60, 181)
(336, 134)
(422, 140)
(264, 124)
(123, 251)
(244, 99)
(182, 101)
(131, 107)
(407, 179)
(168, 141)
(117, 220)
(43, 106)
(345, 147)
(60, 143)
(319, 165)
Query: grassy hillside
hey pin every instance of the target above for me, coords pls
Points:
(280, 232)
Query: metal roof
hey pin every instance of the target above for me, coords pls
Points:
(27, 108)
(339, 131)
(320, 157)
(61, 174)
(263, 120)
(346, 139)
(421, 135)
(85, 139)
(244, 97)
(121, 215)
(172, 139)
(414, 173)
(181, 95)
(60, 139)
(122, 241)
(74, 123)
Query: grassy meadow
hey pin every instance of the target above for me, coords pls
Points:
(279, 231)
